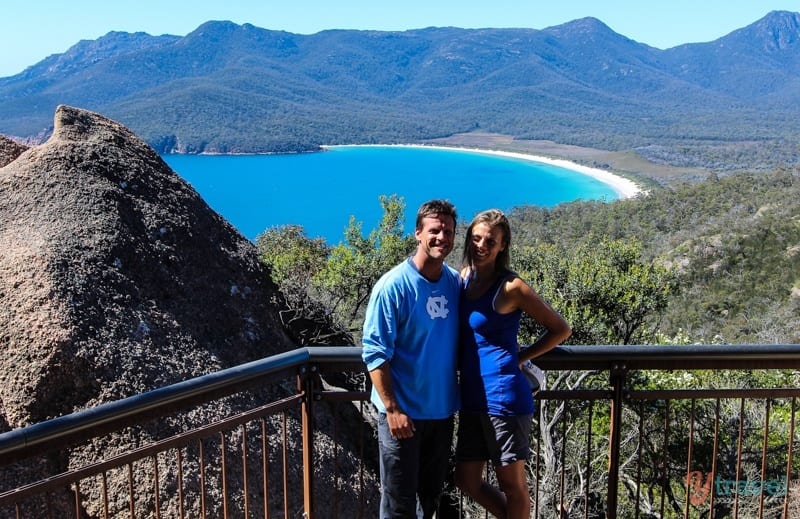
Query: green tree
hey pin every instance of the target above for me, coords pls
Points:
(326, 288)
(290, 254)
(294, 260)
(605, 289)
(353, 266)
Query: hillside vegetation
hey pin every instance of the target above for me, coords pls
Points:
(733, 242)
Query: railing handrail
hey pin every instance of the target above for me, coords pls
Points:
(17, 443)
(119, 413)
(667, 358)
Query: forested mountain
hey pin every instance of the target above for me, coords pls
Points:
(239, 88)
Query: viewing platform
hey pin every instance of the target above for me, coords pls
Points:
(607, 440)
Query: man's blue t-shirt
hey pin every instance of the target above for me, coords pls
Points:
(412, 323)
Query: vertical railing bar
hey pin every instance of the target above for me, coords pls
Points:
(618, 382)
(265, 465)
(588, 461)
(637, 501)
(245, 490)
(156, 502)
(362, 443)
(715, 453)
(180, 483)
(689, 454)
(538, 462)
(131, 491)
(336, 460)
(487, 476)
(77, 491)
(306, 383)
(789, 457)
(665, 459)
(562, 510)
(105, 495)
(739, 447)
(764, 450)
(224, 475)
(285, 467)
(202, 468)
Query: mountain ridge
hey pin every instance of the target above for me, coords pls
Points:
(229, 88)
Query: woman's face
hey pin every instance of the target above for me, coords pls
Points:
(486, 244)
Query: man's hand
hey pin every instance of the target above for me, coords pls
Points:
(401, 426)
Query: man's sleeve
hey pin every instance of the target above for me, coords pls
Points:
(379, 332)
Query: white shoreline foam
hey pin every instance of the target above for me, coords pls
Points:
(624, 187)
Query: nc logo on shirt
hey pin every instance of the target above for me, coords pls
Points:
(437, 307)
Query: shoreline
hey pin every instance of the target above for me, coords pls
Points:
(624, 187)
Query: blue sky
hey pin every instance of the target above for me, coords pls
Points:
(30, 33)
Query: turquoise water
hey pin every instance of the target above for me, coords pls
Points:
(320, 191)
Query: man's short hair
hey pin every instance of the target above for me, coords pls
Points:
(436, 207)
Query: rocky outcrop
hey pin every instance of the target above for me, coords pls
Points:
(117, 278)
(9, 150)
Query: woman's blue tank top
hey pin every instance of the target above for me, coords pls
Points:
(491, 381)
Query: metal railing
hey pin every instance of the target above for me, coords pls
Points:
(608, 442)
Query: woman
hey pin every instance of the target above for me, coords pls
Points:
(496, 399)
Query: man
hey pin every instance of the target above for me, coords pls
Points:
(410, 349)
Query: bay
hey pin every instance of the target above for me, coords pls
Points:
(321, 191)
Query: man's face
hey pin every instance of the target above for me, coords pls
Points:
(436, 236)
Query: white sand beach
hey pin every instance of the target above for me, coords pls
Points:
(624, 187)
